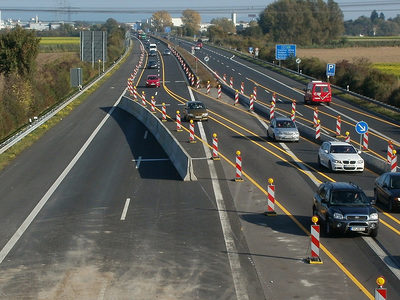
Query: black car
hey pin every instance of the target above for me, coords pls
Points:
(387, 190)
(152, 53)
(152, 64)
(343, 207)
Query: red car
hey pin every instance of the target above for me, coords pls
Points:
(153, 81)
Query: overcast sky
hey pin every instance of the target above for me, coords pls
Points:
(352, 9)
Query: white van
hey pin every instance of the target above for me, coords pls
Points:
(153, 47)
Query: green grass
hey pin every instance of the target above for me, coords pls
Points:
(59, 41)
(372, 38)
(388, 68)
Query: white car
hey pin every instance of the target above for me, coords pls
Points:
(340, 156)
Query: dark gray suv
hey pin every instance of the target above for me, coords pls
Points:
(343, 207)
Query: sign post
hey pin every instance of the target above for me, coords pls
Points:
(330, 70)
(361, 128)
(298, 61)
(285, 51)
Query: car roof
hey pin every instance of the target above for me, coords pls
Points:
(343, 186)
(338, 143)
(283, 119)
(151, 75)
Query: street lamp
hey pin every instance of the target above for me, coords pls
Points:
(99, 66)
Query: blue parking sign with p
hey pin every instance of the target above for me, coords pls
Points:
(330, 69)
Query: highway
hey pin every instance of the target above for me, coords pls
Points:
(105, 214)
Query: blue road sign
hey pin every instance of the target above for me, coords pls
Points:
(330, 69)
(167, 29)
(283, 52)
(361, 127)
(251, 50)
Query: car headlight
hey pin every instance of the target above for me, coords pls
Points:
(337, 161)
(396, 199)
(190, 115)
(338, 216)
(360, 161)
(205, 114)
(373, 216)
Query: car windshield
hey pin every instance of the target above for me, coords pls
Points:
(395, 182)
(285, 124)
(343, 149)
(196, 105)
(349, 198)
(152, 77)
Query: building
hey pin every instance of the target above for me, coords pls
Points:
(177, 22)
(234, 18)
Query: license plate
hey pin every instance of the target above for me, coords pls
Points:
(357, 229)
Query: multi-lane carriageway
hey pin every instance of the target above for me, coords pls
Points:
(117, 222)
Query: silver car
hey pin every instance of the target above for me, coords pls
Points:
(283, 129)
(340, 156)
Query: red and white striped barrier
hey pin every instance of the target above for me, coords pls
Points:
(272, 110)
(293, 113)
(192, 80)
(198, 83)
(153, 105)
(208, 87)
(380, 291)
(252, 103)
(164, 113)
(224, 77)
(393, 164)
(134, 93)
(365, 141)
(389, 152)
(271, 198)
(231, 83)
(143, 98)
(318, 130)
(238, 166)
(236, 97)
(215, 155)
(219, 92)
(191, 132)
(242, 88)
(347, 138)
(255, 93)
(315, 231)
(178, 121)
(315, 117)
(338, 126)
(274, 98)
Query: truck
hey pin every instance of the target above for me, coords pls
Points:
(318, 92)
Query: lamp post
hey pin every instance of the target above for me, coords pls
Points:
(99, 66)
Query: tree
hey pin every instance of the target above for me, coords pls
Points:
(191, 20)
(18, 51)
(374, 16)
(161, 19)
(225, 24)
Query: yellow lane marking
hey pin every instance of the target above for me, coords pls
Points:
(389, 226)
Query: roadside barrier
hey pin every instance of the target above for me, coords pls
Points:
(224, 77)
(272, 111)
(347, 138)
(315, 230)
(231, 82)
(315, 118)
(191, 132)
(153, 105)
(274, 98)
(393, 164)
(242, 88)
(192, 79)
(215, 155)
(318, 130)
(238, 166)
(208, 87)
(143, 98)
(271, 198)
(380, 291)
(338, 126)
(255, 93)
(198, 83)
(178, 121)
(164, 113)
(365, 141)
(219, 92)
(134, 93)
(389, 152)
(251, 103)
(236, 97)
(293, 116)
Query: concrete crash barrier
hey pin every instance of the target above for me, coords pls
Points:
(179, 157)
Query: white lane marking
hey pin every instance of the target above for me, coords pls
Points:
(200, 158)
(280, 100)
(156, 94)
(24, 226)
(386, 259)
(179, 81)
(149, 159)
(240, 74)
(267, 91)
(232, 56)
(138, 162)
(125, 210)
(233, 70)
(146, 133)
(224, 219)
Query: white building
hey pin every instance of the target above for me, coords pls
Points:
(177, 22)
(234, 18)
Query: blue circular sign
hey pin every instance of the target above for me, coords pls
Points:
(361, 127)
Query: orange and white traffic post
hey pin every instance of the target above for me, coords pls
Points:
(198, 83)
(293, 113)
(178, 121)
(219, 92)
(393, 164)
(274, 98)
(338, 126)
(251, 103)
(238, 176)
(347, 138)
(318, 130)
(143, 98)
(380, 291)
(153, 105)
(191, 132)
(272, 110)
(315, 230)
(224, 77)
(255, 93)
(236, 97)
(271, 198)
(231, 83)
(208, 87)
(215, 155)
(242, 88)
(315, 117)
(134, 93)
(389, 152)
(164, 113)
(365, 141)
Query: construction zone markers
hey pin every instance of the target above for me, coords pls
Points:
(389, 152)
(251, 103)
(134, 93)
(255, 93)
(274, 98)
(198, 83)
(347, 138)
(272, 110)
(153, 105)
(219, 92)
(191, 132)
(242, 88)
(238, 167)
(143, 99)
(393, 164)
(231, 83)
(314, 258)
(365, 141)
(178, 121)
(315, 117)
(271, 198)
(236, 97)
(338, 126)
(164, 113)
(208, 87)
(318, 130)
(380, 291)
(215, 155)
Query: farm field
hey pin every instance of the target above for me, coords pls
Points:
(59, 40)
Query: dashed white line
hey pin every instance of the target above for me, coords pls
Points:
(125, 210)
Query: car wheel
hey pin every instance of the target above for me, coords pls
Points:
(373, 232)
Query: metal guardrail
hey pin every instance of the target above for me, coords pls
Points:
(4, 146)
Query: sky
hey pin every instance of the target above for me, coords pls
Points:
(352, 9)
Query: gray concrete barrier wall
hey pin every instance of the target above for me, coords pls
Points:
(179, 157)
